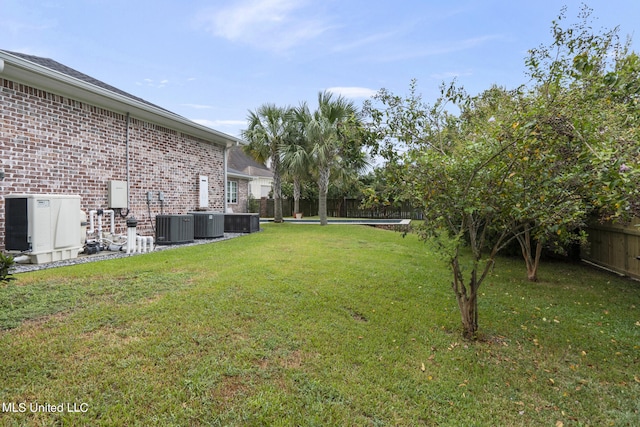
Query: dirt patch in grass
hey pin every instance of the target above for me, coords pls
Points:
(230, 389)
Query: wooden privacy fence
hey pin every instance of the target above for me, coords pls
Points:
(615, 247)
(341, 208)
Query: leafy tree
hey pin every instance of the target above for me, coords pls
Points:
(531, 165)
(378, 193)
(575, 132)
(455, 168)
(269, 129)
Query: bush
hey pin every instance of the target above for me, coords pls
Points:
(6, 262)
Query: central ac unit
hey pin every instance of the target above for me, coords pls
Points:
(207, 225)
(241, 222)
(174, 229)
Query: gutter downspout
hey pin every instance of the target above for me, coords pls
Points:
(127, 154)
(224, 184)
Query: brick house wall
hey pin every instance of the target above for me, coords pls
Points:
(243, 195)
(54, 144)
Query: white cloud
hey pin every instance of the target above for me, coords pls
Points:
(16, 27)
(365, 41)
(437, 49)
(230, 127)
(353, 92)
(220, 123)
(153, 83)
(275, 25)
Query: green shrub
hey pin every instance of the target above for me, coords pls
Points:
(6, 262)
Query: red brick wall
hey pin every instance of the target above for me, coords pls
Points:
(53, 144)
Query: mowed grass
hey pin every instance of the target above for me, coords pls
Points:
(315, 326)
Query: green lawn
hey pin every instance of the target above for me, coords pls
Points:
(315, 326)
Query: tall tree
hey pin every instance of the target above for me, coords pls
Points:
(269, 128)
(296, 162)
(526, 165)
(455, 169)
(575, 131)
(328, 131)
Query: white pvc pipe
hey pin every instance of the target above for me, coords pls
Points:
(113, 219)
(144, 244)
(111, 212)
(91, 227)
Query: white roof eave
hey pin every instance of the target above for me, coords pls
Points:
(238, 175)
(26, 72)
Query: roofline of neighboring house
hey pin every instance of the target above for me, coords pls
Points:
(232, 173)
(23, 71)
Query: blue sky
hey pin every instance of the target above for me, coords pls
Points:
(212, 61)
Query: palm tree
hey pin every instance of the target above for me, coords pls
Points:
(296, 162)
(326, 132)
(269, 129)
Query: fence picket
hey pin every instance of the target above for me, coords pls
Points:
(341, 208)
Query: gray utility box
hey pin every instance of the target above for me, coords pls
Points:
(207, 225)
(174, 229)
(241, 223)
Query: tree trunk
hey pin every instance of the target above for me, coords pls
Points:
(323, 188)
(532, 267)
(296, 195)
(531, 260)
(469, 314)
(467, 298)
(277, 191)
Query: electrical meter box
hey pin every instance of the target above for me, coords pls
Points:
(45, 227)
(118, 194)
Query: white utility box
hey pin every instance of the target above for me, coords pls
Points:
(204, 191)
(45, 227)
(118, 194)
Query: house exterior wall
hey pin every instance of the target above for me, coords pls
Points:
(53, 144)
(256, 187)
(243, 196)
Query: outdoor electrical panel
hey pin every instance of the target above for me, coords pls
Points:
(118, 194)
(204, 191)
